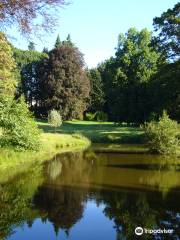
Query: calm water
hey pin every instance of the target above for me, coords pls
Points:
(90, 196)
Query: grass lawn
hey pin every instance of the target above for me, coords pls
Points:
(99, 132)
(71, 136)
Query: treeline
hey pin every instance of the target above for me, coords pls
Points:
(54, 79)
(143, 78)
(135, 85)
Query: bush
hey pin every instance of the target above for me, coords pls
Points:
(54, 119)
(18, 126)
(162, 136)
(101, 117)
(90, 116)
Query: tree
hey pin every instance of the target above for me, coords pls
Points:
(45, 50)
(168, 27)
(69, 41)
(28, 63)
(54, 119)
(97, 91)
(164, 89)
(63, 82)
(31, 46)
(7, 68)
(127, 75)
(18, 128)
(30, 16)
(58, 42)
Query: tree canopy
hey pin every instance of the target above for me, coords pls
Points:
(168, 27)
(28, 63)
(127, 74)
(63, 82)
(7, 67)
(96, 92)
(18, 128)
(24, 14)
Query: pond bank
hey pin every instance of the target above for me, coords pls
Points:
(120, 148)
(13, 162)
(72, 136)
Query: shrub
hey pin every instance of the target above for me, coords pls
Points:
(18, 126)
(101, 116)
(54, 119)
(162, 136)
(90, 116)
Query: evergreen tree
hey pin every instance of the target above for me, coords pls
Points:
(45, 50)
(58, 42)
(31, 46)
(97, 91)
(68, 41)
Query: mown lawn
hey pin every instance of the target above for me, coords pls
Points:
(99, 132)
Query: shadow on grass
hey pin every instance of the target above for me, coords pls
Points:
(98, 132)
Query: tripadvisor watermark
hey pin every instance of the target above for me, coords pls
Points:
(139, 231)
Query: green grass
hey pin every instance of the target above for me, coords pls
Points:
(99, 132)
(71, 136)
(13, 162)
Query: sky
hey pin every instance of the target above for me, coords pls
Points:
(94, 25)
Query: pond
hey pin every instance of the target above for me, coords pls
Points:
(92, 196)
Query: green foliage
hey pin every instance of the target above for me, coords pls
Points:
(7, 68)
(45, 50)
(164, 90)
(162, 136)
(54, 119)
(58, 42)
(19, 128)
(90, 116)
(21, 190)
(28, 64)
(31, 46)
(97, 116)
(68, 41)
(101, 116)
(127, 75)
(168, 27)
(96, 92)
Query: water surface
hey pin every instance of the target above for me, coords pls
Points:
(92, 196)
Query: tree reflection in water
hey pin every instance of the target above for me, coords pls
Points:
(61, 206)
(58, 192)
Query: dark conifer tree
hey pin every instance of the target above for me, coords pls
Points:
(58, 41)
(31, 46)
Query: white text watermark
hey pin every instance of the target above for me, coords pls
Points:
(139, 231)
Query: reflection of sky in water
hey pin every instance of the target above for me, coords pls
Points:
(93, 225)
